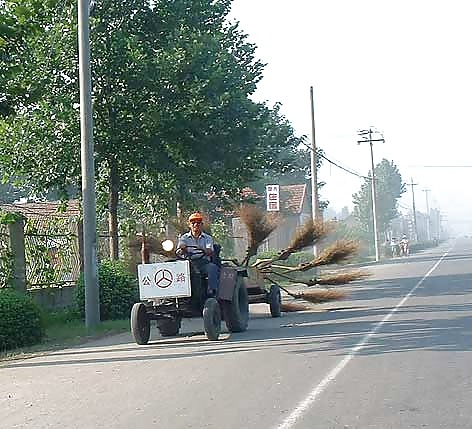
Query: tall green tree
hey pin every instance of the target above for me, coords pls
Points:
(389, 188)
(172, 81)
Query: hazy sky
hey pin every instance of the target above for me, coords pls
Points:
(402, 66)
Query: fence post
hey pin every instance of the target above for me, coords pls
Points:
(17, 243)
(80, 238)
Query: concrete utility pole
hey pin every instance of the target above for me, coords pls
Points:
(92, 304)
(315, 207)
(428, 222)
(415, 226)
(364, 134)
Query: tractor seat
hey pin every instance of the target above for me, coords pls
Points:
(216, 259)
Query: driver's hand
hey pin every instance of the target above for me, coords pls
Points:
(208, 252)
(183, 247)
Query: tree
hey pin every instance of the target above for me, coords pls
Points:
(172, 111)
(10, 193)
(389, 189)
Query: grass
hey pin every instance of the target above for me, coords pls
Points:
(75, 332)
(65, 329)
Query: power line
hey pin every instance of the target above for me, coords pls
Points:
(347, 170)
(440, 166)
(403, 206)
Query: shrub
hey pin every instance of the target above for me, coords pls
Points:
(118, 291)
(20, 320)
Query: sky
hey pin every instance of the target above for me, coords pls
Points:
(403, 66)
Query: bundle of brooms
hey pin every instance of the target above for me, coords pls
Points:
(259, 226)
(311, 233)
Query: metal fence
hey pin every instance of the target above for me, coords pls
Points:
(6, 257)
(51, 251)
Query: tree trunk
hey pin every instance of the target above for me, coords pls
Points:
(113, 211)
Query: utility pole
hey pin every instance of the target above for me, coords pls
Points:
(414, 207)
(364, 134)
(315, 208)
(92, 304)
(428, 223)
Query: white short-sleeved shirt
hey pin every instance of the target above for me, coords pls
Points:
(204, 242)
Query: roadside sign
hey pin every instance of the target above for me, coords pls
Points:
(273, 199)
(164, 280)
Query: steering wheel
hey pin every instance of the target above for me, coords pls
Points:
(197, 253)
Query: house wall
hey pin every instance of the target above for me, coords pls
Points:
(54, 299)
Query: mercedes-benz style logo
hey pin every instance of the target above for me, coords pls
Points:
(163, 278)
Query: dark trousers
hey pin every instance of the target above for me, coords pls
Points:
(211, 270)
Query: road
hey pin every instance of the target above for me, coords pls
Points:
(396, 354)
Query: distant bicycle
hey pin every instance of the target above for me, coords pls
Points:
(404, 247)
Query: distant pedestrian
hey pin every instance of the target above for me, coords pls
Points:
(394, 247)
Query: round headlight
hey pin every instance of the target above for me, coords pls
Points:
(168, 245)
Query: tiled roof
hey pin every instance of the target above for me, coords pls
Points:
(292, 197)
(41, 209)
(247, 193)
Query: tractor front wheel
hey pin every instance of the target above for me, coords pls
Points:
(140, 324)
(212, 319)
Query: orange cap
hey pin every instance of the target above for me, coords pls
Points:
(195, 217)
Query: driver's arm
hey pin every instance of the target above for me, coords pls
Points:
(181, 245)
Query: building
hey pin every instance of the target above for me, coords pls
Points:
(295, 209)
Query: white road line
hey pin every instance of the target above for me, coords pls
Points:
(303, 406)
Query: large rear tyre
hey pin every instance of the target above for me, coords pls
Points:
(275, 301)
(140, 324)
(212, 319)
(236, 312)
(169, 327)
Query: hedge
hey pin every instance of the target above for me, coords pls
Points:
(118, 291)
(20, 320)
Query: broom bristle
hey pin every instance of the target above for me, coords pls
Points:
(322, 295)
(290, 307)
(258, 224)
(338, 252)
(343, 278)
(154, 245)
(309, 234)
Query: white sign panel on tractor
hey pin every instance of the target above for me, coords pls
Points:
(164, 280)
(273, 198)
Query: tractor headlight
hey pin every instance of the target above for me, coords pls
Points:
(168, 245)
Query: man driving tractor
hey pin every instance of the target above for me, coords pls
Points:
(199, 247)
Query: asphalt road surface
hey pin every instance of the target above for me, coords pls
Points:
(396, 354)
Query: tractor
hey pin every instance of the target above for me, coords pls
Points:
(175, 288)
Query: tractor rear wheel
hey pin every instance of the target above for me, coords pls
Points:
(275, 301)
(236, 312)
(140, 324)
(212, 319)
